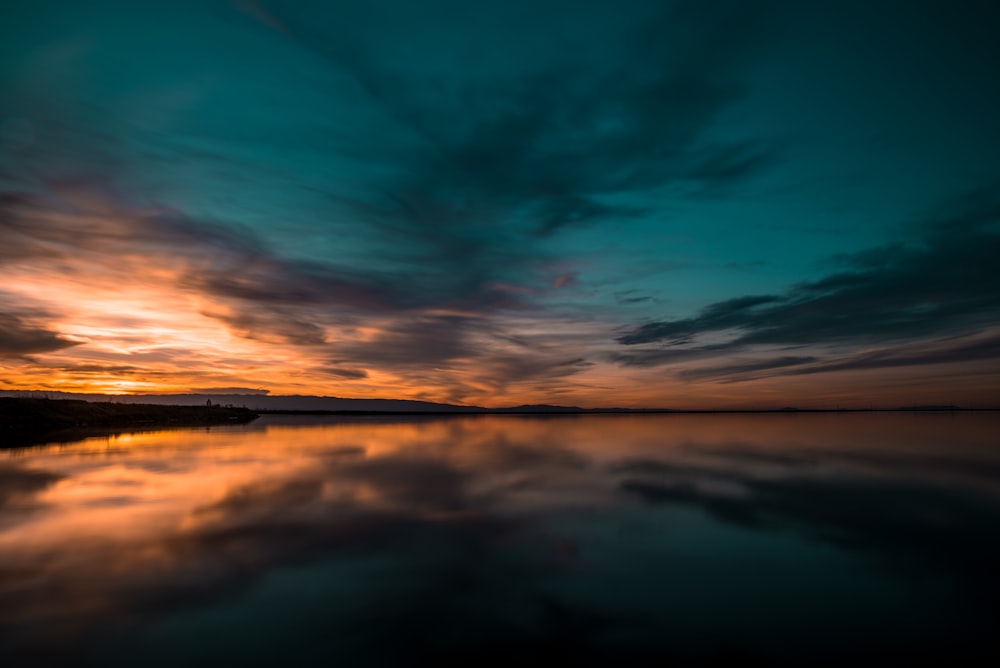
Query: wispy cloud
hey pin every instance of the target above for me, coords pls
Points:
(940, 283)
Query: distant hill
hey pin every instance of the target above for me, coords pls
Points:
(540, 408)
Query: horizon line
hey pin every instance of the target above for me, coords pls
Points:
(466, 409)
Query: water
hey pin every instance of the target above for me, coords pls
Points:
(505, 540)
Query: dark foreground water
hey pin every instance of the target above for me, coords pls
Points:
(598, 540)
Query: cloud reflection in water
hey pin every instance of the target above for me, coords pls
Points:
(586, 539)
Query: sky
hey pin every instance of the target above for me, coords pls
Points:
(710, 204)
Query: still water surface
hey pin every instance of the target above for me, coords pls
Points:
(506, 540)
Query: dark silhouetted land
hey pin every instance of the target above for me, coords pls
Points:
(26, 421)
(148, 407)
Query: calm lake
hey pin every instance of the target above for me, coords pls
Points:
(811, 539)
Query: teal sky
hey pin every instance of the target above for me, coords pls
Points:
(599, 203)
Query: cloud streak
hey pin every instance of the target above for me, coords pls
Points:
(941, 283)
(487, 202)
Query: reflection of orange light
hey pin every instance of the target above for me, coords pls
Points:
(134, 506)
(137, 496)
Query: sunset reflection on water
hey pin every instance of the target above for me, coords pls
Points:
(690, 537)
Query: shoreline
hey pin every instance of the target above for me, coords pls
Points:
(628, 411)
(26, 422)
(29, 421)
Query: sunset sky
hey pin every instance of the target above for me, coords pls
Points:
(592, 203)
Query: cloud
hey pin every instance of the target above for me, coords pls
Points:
(271, 323)
(545, 369)
(745, 368)
(948, 351)
(231, 390)
(425, 341)
(631, 297)
(18, 338)
(256, 292)
(345, 322)
(433, 221)
(347, 374)
(491, 160)
(942, 283)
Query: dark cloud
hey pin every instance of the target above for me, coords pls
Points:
(471, 172)
(745, 368)
(504, 154)
(424, 342)
(732, 163)
(634, 300)
(950, 350)
(674, 350)
(232, 390)
(124, 369)
(260, 277)
(629, 297)
(509, 369)
(274, 323)
(259, 294)
(937, 352)
(542, 370)
(85, 370)
(347, 374)
(19, 337)
(942, 282)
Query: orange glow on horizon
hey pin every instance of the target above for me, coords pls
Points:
(134, 316)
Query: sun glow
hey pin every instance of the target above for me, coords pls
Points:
(113, 299)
